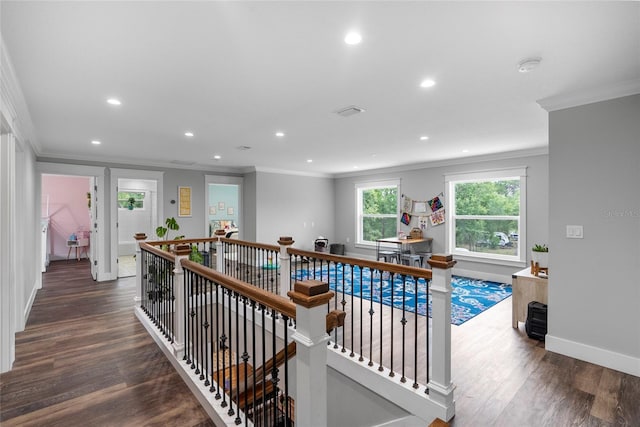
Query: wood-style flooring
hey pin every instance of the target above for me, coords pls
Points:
(85, 360)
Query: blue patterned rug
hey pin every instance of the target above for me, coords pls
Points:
(469, 297)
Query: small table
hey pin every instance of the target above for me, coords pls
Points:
(526, 287)
(400, 243)
(82, 244)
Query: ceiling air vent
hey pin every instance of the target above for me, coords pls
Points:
(349, 111)
(183, 162)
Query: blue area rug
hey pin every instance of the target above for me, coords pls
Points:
(469, 297)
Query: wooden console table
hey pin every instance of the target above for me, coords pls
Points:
(526, 287)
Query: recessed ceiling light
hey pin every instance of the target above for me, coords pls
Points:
(279, 134)
(188, 134)
(424, 138)
(528, 65)
(465, 151)
(113, 101)
(427, 83)
(309, 160)
(217, 157)
(355, 167)
(96, 142)
(353, 38)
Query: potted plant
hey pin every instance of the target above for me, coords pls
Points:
(131, 203)
(163, 232)
(540, 255)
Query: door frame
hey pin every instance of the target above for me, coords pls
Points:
(224, 180)
(147, 175)
(46, 168)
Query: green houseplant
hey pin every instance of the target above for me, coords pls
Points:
(158, 275)
(540, 255)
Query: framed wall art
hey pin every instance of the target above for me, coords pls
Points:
(184, 201)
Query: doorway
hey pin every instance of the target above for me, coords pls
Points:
(224, 205)
(137, 206)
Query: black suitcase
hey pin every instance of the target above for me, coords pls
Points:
(536, 324)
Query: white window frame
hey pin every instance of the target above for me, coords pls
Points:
(359, 188)
(520, 258)
(144, 204)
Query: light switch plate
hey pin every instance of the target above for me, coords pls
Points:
(574, 232)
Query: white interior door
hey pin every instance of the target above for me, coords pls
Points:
(93, 227)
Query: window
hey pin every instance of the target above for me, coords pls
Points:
(486, 215)
(377, 210)
(130, 200)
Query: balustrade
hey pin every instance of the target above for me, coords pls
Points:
(235, 329)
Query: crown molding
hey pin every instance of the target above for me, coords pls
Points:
(575, 99)
(14, 110)
(288, 172)
(112, 162)
(538, 151)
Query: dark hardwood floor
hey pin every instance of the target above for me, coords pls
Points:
(85, 360)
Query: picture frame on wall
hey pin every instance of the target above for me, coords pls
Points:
(184, 201)
(220, 206)
(229, 211)
(212, 210)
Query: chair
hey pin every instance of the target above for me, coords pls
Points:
(389, 256)
(417, 255)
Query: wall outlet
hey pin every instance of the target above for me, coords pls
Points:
(574, 232)
(348, 240)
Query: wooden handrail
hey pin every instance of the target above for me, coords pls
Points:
(158, 252)
(374, 265)
(251, 244)
(266, 298)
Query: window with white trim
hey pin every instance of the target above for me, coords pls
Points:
(377, 210)
(486, 217)
(131, 200)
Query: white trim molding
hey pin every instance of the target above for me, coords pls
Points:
(599, 356)
(575, 99)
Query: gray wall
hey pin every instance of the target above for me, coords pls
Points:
(427, 182)
(190, 227)
(248, 231)
(294, 205)
(594, 286)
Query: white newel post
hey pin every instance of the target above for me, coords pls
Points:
(181, 252)
(219, 250)
(285, 265)
(311, 298)
(440, 385)
(140, 238)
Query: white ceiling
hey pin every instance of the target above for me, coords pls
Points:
(234, 73)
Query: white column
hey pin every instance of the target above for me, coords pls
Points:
(140, 268)
(285, 265)
(219, 251)
(8, 302)
(311, 298)
(181, 252)
(440, 385)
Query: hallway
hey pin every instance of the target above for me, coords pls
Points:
(84, 356)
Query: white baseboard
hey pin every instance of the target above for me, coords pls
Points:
(27, 308)
(409, 421)
(599, 356)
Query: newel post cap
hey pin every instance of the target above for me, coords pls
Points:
(310, 293)
(286, 240)
(220, 232)
(182, 249)
(442, 261)
(140, 236)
